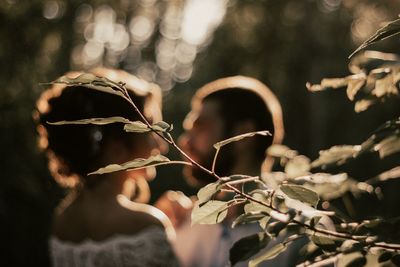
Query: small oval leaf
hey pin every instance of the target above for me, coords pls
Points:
(300, 193)
(247, 247)
(240, 137)
(208, 191)
(272, 253)
(137, 164)
(213, 211)
(96, 121)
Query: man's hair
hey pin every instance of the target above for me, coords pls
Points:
(242, 99)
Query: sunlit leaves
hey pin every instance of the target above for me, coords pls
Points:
(270, 254)
(250, 217)
(130, 126)
(206, 192)
(239, 137)
(300, 193)
(94, 82)
(213, 211)
(247, 247)
(96, 121)
(377, 77)
(162, 126)
(136, 127)
(299, 165)
(137, 164)
(323, 241)
(355, 259)
(335, 155)
(387, 31)
(140, 127)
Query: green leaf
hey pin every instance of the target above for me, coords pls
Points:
(96, 121)
(322, 178)
(137, 164)
(327, 83)
(93, 82)
(140, 127)
(355, 259)
(162, 126)
(323, 241)
(388, 146)
(250, 217)
(335, 155)
(387, 175)
(350, 246)
(247, 247)
(281, 151)
(272, 253)
(274, 228)
(213, 211)
(387, 31)
(299, 165)
(355, 83)
(208, 191)
(363, 104)
(385, 256)
(300, 193)
(240, 137)
(256, 207)
(136, 127)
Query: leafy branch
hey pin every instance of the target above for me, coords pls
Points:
(287, 204)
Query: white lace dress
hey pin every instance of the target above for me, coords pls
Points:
(150, 247)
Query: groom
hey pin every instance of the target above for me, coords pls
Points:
(221, 109)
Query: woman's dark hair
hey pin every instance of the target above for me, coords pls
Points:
(76, 150)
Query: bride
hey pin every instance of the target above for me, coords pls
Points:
(98, 224)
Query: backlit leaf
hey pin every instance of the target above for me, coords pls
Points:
(299, 165)
(323, 241)
(387, 31)
(213, 211)
(240, 137)
(247, 247)
(300, 193)
(354, 85)
(137, 164)
(136, 127)
(335, 155)
(363, 104)
(270, 254)
(327, 83)
(248, 218)
(355, 259)
(257, 207)
(96, 121)
(388, 146)
(208, 191)
(162, 126)
(94, 82)
(140, 127)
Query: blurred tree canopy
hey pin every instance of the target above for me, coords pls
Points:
(180, 45)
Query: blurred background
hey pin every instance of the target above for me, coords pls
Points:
(180, 45)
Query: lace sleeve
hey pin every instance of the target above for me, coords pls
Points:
(148, 248)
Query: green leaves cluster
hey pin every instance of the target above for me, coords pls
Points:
(287, 204)
(375, 78)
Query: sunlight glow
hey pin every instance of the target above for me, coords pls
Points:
(200, 18)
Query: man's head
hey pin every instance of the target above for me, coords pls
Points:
(225, 108)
